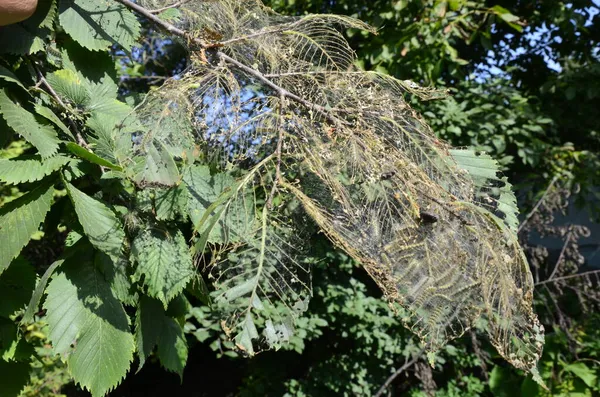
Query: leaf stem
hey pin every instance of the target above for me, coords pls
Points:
(42, 81)
(174, 5)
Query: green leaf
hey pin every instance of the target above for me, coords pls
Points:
(9, 76)
(42, 136)
(49, 115)
(503, 13)
(70, 85)
(97, 25)
(15, 171)
(91, 157)
(583, 372)
(99, 222)
(16, 284)
(88, 325)
(13, 377)
(164, 261)
(75, 246)
(155, 328)
(117, 274)
(19, 219)
(34, 302)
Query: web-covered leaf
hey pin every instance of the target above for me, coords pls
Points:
(262, 283)
(493, 192)
(426, 223)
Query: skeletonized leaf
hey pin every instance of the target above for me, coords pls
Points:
(89, 326)
(19, 219)
(99, 222)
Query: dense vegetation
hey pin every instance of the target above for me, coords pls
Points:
(154, 236)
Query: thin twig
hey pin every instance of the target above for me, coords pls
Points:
(42, 81)
(561, 255)
(390, 379)
(277, 154)
(557, 279)
(537, 205)
(174, 5)
(163, 24)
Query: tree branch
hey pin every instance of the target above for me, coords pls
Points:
(537, 205)
(163, 24)
(407, 364)
(557, 279)
(174, 5)
(562, 254)
(279, 128)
